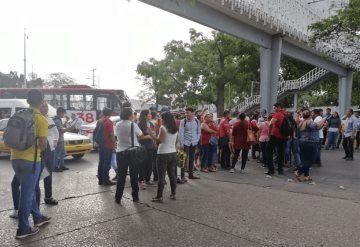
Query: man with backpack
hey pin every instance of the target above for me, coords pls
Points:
(60, 148)
(26, 135)
(105, 139)
(189, 136)
(277, 139)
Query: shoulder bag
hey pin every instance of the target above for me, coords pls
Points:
(137, 154)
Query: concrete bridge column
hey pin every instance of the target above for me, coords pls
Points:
(269, 73)
(295, 101)
(345, 89)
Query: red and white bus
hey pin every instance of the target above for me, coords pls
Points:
(85, 101)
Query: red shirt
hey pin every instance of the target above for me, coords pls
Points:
(205, 136)
(177, 122)
(223, 126)
(240, 134)
(275, 129)
(108, 130)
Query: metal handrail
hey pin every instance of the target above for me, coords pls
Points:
(285, 86)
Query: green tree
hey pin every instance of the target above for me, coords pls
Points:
(58, 80)
(199, 71)
(11, 80)
(340, 34)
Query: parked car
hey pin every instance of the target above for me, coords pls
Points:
(76, 145)
(88, 129)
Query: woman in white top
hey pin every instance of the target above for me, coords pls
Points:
(166, 159)
(123, 134)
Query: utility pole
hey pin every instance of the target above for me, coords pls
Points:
(93, 70)
(25, 37)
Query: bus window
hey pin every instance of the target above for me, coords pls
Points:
(89, 102)
(76, 102)
(49, 98)
(59, 100)
(101, 102)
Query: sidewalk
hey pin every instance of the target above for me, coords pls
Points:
(220, 209)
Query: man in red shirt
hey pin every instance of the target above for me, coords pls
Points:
(276, 140)
(224, 137)
(106, 149)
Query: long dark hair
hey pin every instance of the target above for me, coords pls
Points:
(169, 122)
(142, 120)
(242, 117)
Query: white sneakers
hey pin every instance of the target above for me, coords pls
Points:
(14, 214)
(232, 170)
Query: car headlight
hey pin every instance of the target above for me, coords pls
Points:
(86, 141)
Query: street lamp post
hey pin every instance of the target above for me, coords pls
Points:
(25, 37)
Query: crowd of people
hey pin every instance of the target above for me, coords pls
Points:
(155, 144)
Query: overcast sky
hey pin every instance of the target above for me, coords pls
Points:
(75, 36)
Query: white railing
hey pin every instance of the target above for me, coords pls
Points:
(247, 103)
(291, 18)
(284, 86)
(302, 82)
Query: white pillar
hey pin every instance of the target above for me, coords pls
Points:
(345, 89)
(269, 73)
(295, 101)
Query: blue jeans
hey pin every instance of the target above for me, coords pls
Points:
(308, 155)
(318, 152)
(332, 137)
(207, 155)
(296, 153)
(104, 165)
(59, 155)
(28, 174)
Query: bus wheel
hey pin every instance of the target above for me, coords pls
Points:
(78, 156)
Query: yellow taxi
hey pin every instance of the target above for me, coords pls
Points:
(76, 145)
(3, 149)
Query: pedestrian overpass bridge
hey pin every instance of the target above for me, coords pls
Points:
(278, 27)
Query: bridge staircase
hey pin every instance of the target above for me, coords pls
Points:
(285, 88)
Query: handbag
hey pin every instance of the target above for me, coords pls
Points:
(251, 139)
(213, 141)
(224, 141)
(136, 154)
(113, 162)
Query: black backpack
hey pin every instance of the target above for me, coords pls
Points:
(20, 130)
(288, 126)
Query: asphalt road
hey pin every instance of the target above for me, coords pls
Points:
(220, 209)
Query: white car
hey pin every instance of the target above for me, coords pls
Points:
(88, 129)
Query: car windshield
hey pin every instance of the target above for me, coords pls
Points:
(3, 124)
